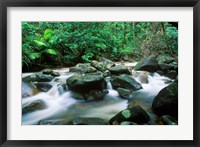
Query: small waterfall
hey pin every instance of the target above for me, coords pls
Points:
(109, 85)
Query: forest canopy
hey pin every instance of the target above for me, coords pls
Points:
(60, 44)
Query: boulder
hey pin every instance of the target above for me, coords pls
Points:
(165, 67)
(43, 86)
(168, 120)
(82, 68)
(135, 114)
(40, 78)
(91, 95)
(119, 69)
(143, 77)
(107, 63)
(88, 86)
(148, 64)
(166, 102)
(125, 81)
(50, 72)
(87, 121)
(124, 93)
(34, 106)
(86, 82)
(171, 74)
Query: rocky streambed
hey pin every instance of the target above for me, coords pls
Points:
(102, 93)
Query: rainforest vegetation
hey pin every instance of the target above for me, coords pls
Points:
(100, 73)
(58, 44)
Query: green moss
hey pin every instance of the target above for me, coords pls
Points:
(126, 113)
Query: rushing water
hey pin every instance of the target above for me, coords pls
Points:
(64, 106)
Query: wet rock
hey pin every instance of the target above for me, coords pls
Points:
(128, 123)
(43, 86)
(47, 71)
(106, 73)
(88, 86)
(165, 67)
(95, 95)
(50, 72)
(143, 77)
(135, 114)
(55, 74)
(168, 120)
(125, 81)
(98, 65)
(171, 74)
(148, 64)
(41, 78)
(166, 102)
(53, 122)
(33, 106)
(87, 121)
(82, 68)
(86, 82)
(124, 93)
(119, 69)
(107, 63)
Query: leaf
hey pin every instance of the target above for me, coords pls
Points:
(48, 33)
(39, 43)
(34, 56)
(51, 51)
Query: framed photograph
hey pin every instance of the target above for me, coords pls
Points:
(99, 73)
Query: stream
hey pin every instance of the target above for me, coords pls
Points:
(62, 105)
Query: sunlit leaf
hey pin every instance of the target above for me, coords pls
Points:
(51, 51)
(34, 56)
(39, 43)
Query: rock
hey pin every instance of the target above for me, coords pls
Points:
(47, 71)
(165, 59)
(98, 65)
(50, 72)
(164, 67)
(55, 74)
(168, 120)
(135, 114)
(171, 74)
(40, 78)
(106, 73)
(43, 86)
(34, 106)
(119, 69)
(128, 123)
(88, 86)
(53, 122)
(166, 102)
(143, 77)
(124, 93)
(148, 64)
(87, 121)
(95, 95)
(125, 81)
(106, 62)
(82, 68)
(86, 82)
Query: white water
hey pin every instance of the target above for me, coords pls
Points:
(67, 107)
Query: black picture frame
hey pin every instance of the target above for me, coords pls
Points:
(4, 4)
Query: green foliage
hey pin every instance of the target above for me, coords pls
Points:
(87, 57)
(67, 43)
